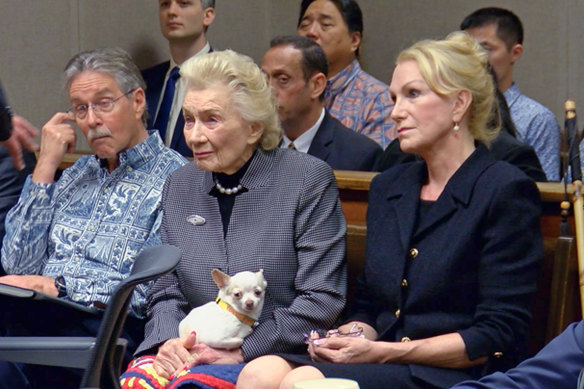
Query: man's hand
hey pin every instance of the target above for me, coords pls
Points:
(23, 134)
(173, 355)
(41, 284)
(57, 138)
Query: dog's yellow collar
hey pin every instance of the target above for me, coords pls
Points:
(240, 316)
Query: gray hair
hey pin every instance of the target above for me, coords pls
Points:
(249, 90)
(207, 4)
(114, 62)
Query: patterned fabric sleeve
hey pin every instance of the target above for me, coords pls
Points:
(24, 250)
(378, 124)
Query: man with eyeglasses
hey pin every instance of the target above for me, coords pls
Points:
(76, 238)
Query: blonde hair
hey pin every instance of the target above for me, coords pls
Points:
(454, 64)
(249, 91)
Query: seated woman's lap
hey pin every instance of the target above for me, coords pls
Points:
(141, 374)
(368, 375)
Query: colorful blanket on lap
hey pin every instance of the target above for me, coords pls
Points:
(141, 375)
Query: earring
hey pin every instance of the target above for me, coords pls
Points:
(456, 127)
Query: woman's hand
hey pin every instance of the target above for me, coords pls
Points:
(179, 354)
(206, 355)
(343, 350)
(173, 355)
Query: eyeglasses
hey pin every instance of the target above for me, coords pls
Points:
(104, 105)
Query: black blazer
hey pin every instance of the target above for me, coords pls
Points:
(342, 148)
(469, 265)
(154, 78)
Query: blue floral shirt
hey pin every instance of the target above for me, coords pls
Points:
(537, 127)
(90, 224)
(362, 103)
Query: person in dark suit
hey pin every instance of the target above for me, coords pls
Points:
(504, 147)
(16, 134)
(558, 365)
(184, 24)
(243, 204)
(17, 159)
(453, 243)
(297, 67)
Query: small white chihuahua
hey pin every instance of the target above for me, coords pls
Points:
(224, 322)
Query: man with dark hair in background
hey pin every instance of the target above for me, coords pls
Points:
(296, 68)
(184, 24)
(501, 33)
(358, 100)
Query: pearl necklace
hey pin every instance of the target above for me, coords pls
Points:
(227, 191)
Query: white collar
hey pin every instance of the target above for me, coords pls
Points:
(303, 142)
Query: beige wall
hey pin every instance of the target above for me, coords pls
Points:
(39, 36)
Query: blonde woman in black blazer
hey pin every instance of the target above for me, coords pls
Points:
(453, 242)
(243, 204)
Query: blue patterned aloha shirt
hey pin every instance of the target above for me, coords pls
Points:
(90, 224)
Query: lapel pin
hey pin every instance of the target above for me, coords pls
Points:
(196, 220)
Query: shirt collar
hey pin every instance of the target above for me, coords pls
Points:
(173, 64)
(303, 142)
(147, 150)
(339, 81)
(512, 94)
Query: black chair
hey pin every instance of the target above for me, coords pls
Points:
(101, 356)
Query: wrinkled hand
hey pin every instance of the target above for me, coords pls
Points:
(173, 355)
(207, 355)
(38, 283)
(22, 137)
(342, 350)
(57, 138)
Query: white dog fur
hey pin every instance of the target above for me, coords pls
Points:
(215, 326)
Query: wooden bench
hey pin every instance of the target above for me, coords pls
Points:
(557, 301)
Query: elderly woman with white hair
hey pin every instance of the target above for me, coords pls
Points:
(243, 204)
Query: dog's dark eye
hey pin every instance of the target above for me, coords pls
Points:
(237, 295)
(258, 293)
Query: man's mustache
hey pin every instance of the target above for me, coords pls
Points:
(99, 132)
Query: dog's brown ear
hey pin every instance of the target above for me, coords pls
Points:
(220, 278)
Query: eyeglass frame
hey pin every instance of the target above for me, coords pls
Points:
(111, 103)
